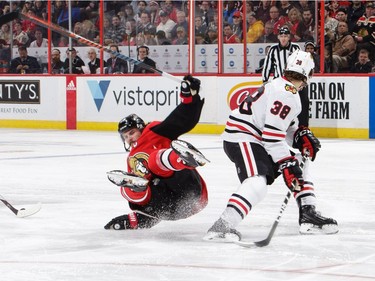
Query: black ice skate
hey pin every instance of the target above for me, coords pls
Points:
(188, 153)
(221, 232)
(311, 222)
(122, 178)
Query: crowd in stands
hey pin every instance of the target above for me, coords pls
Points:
(349, 25)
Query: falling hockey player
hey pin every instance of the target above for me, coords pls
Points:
(162, 182)
(257, 138)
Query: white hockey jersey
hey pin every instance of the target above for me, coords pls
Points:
(267, 117)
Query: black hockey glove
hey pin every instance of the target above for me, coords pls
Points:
(306, 142)
(194, 83)
(292, 173)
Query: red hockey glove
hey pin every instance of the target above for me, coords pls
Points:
(306, 142)
(292, 173)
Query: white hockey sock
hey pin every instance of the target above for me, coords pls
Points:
(250, 193)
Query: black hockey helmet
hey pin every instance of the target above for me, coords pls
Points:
(129, 122)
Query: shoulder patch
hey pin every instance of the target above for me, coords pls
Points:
(291, 89)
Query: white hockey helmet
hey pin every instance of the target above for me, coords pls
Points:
(302, 63)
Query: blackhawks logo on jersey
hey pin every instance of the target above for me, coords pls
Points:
(291, 89)
(138, 164)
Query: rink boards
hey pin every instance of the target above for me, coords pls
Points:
(340, 106)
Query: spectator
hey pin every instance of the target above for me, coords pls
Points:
(56, 64)
(212, 36)
(255, 30)
(141, 7)
(199, 27)
(229, 10)
(39, 41)
(306, 28)
(169, 8)
(24, 64)
(116, 32)
(310, 47)
(237, 24)
(206, 12)
(63, 42)
(145, 22)
(363, 64)
(200, 39)
(130, 36)
(334, 7)
(94, 62)
(229, 36)
(355, 11)
(263, 11)
(285, 7)
(89, 29)
(77, 62)
(181, 22)
(214, 24)
(330, 24)
(127, 14)
(5, 34)
(277, 20)
(364, 30)
(154, 12)
(166, 24)
(20, 37)
(40, 9)
(114, 64)
(268, 36)
(142, 53)
(161, 38)
(149, 36)
(181, 37)
(343, 47)
(295, 18)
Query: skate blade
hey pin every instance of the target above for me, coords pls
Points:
(310, 229)
(184, 148)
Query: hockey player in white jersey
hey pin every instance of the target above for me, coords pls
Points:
(258, 137)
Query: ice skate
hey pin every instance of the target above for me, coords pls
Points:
(312, 222)
(221, 232)
(188, 153)
(122, 178)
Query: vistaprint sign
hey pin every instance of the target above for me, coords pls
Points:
(110, 99)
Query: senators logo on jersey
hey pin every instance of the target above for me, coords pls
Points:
(138, 164)
(291, 89)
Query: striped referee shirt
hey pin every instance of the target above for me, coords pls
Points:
(276, 60)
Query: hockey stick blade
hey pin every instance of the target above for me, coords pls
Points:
(30, 210)
(23, 212)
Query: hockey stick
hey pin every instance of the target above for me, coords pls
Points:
(267, 240)
(23, 212)
(65, 32)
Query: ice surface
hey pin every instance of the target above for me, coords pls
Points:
(66, 171)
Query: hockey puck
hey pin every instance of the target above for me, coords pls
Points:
(22, 209)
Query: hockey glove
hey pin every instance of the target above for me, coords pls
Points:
(306, 142)
(292, 173)
(194, 83)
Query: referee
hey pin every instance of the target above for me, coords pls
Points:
(276, 62)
